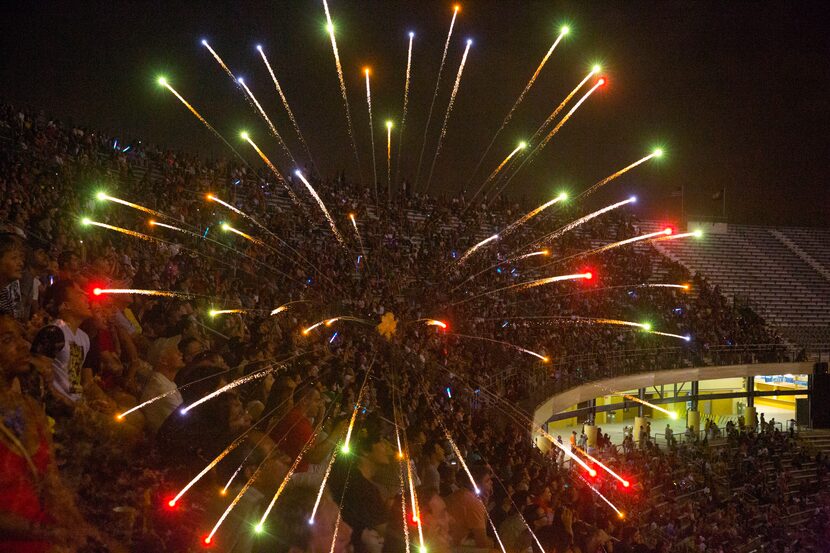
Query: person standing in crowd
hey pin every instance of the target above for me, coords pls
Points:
(433, 456)
(12, 259)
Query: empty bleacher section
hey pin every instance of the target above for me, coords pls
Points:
(783, 274)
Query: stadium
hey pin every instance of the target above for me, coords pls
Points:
(392, 337)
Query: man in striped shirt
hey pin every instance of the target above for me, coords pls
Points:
(11, 269)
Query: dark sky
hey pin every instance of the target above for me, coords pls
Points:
(736, 93)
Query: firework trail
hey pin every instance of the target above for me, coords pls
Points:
(596, 491)
(163, 82)
(345, 448)
(247, 138)
(217, 312)
(103, 196)
(611, 246)
(521, 146)
(87, 222)
(359, 238)
(551, 134)
(208, 468)
(456, 9)
(154, 223)
(694, 234)
(596, 461)
(596, 69)
(449, 110)
(573, 224)
(671, 414)
(330, 29)
(401, 460)
(257, 241)
(544, 358)
(334, 534)
(158, 293)
(531, 284)
(284, 307)
(389, 161)
(322, 486)
(371, 133)
(655, 154)
(285, 103)
(506, 261)
(472, 250)
(531, 214)
(267, 119)
(564, 31)
(405, 104)
(219, 60)
(231, 385)
(322, 208)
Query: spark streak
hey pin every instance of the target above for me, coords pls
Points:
(596, 491)
(573, 224)
(322, 486)
(257, 241)
(159, 293)
(543, 358)
(531, 284)
(238, 382)
(405, 104)
(106, 197)
(456, 8)
(154, 223)
(531, 214)
(267, 119)
(694, 234)
(521, 146)
(568, 115)
(434, 322)
(596, 461)
(163, 82)
(218, 59)
(345, 448)
(330, 29)
(449, 110)
(389, 161)
(505, 262)
(671, 414)
(208, 468)
(216, 312)
(472, 250)
(285, 103)
(236, 499)
(564, 31)
(322, 208)
(87, 221)
(624, 170)
(247, 138)
(371, 133)
(613, 245)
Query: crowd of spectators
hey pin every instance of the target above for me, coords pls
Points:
(76, 476)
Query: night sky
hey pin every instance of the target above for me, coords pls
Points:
(736, 93)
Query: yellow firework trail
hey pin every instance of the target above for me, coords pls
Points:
(475, 248)
(208, 468)
(216, 312)
(573, 224)
(435, 322)
(671, 414)
(218, 60)
(531, 284)
(568, 115)
(154, 223)
(247, 138)
(87, 222)
(231, 385)
(670, 335)
(453, 94)
(329, 322)
(288, 476)
(139, 292)
(236, 499)
(505, 262)
(322, 208)
(564, 31)
(543, 127)
(345, 447)
(389, 160)
(530, 215)
(366, 71)
(163, 82)
(604, 467)
(322, 486)
(456, 9)
(228, 228)
(284, 307)
(655, 154)
(103, 196)
(330, 29)
(334, 534)
(491, 176)
(401, 460)
(613, 245)
(543, 358)
(267, 119)
(285, 103)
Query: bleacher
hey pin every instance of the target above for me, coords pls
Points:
(781, 273)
